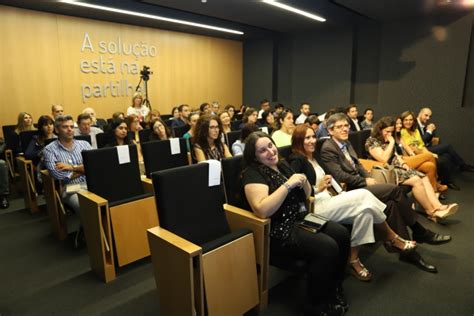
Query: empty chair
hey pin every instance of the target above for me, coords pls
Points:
(200, 264)
(116, 210)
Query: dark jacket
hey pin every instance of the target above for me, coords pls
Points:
(335, 163)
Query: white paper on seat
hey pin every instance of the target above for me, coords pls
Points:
(174, 144)
(264, 129)
(123, 153)
(214, 172)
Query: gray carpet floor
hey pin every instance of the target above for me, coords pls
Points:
(42, 276)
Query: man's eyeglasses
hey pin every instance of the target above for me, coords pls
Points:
(341, 126)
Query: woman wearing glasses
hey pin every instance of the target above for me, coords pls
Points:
(208, 139)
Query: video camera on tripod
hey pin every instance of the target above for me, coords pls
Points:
(145, 73)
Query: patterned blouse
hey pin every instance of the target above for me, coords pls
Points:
(394, 160)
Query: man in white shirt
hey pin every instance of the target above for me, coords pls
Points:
(264, 106)
(304, 109)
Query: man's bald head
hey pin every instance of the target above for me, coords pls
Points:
(424, 115)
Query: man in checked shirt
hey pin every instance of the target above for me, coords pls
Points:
(63, 159)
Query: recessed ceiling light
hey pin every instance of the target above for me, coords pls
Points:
(295, 10)
(150, 16)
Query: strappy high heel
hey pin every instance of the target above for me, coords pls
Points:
(409, 245)
(363, 274)
(443, 212)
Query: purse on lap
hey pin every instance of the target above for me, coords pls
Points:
(384, 174)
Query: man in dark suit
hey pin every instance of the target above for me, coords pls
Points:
(352, 113)
(427, 131)
(340, 160)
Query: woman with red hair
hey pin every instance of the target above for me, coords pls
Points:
(359, 208)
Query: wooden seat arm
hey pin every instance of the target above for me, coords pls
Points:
(236, 212)
(94, 198)
(176, 242)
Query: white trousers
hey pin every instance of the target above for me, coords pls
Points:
(360, 208)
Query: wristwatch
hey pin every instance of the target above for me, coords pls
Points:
(287, 186)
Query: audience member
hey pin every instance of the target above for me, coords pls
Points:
(183, 118)
(24, 123)
(367, 123)
(250, 116)
(205, 108)
(118, 134)
(34, 151)
(423, 162)
(264, 106)
(189, 135)
(285, 127)
(322, 131)
(224, 117)
(339, 159)
(208, 139)
(381, 147)
(352, 113)
(138, 107)
(278, 109)
(215, 107)
(231, 110)
(92, 115)
(274, 191)
(411, 137)
(304, 113)
(84, 127)
(118, 115)
(152, 116)
(359, 208)
(56, 110)
(239, 145)
(269, 120)
(427, 130)
(63, 159)
(160, 131)
(313, 122)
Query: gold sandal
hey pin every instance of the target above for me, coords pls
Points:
(363, 274)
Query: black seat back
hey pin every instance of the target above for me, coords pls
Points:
(157, 155)
(187, 206)
(231, 137)
(357, 140)
(231, 171)
(108, 178)
(25, 139)
(144, 135)
(12, 139)
(86, 138)
(284, 152)
(102, 139)
(235, 125)
(179, 131)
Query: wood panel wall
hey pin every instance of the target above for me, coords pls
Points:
(40, 59)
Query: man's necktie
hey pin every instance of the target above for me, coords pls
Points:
(347, 155)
